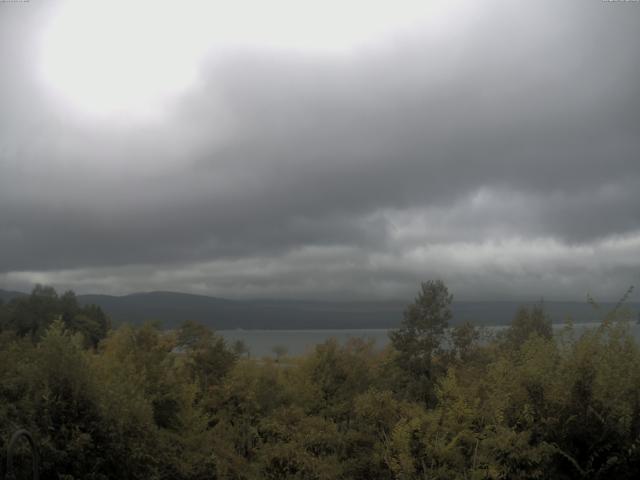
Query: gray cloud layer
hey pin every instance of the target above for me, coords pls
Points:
(503, 157)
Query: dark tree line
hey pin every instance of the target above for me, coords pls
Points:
(31, 316)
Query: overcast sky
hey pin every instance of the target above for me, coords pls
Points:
(335, 154)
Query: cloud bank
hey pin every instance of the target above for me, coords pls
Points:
(501, 154)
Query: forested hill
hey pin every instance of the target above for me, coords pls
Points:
(172, 308)
(6, 295)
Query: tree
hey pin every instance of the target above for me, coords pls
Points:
(528, 322)
(420, 335)
(192, 335)
(32, 315)
(279, 351)
(463, 338)
(240, 348)
(208, 357)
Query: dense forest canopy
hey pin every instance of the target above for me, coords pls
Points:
(443, 403)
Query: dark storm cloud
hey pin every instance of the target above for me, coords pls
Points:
(505, 148)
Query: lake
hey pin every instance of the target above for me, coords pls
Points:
(298, 342)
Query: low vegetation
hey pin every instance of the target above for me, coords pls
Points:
(438, 403)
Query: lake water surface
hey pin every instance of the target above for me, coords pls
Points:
(298, 342)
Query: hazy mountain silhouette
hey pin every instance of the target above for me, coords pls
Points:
(6, 295)
(171, 308)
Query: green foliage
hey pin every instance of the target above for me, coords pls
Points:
(30, 316)
(528, 322)
(207, 357)
(464, 339)
(151, 404)
(419, 339)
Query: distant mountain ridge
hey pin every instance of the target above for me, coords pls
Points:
(6, 295)
(171, 308)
